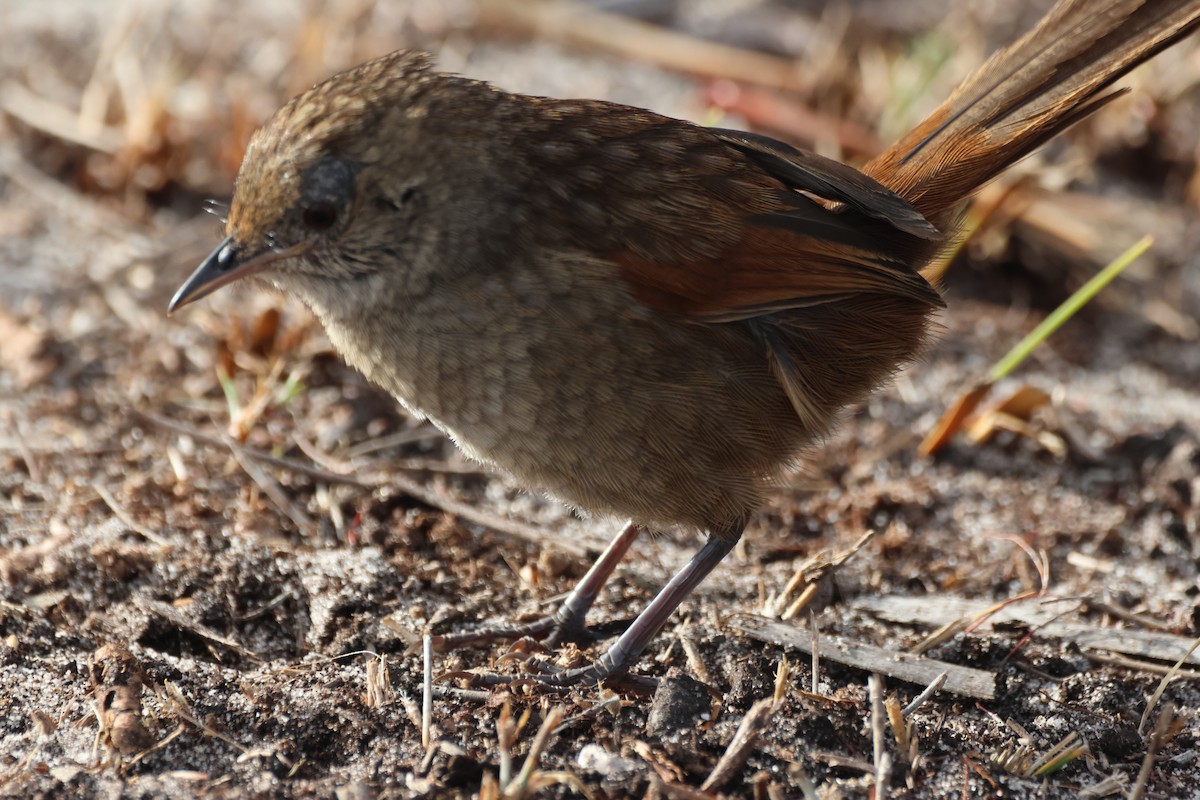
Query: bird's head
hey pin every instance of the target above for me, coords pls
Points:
(333, 188)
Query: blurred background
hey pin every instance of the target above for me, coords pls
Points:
(141, 109)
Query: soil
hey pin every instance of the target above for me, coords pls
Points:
(221, 548)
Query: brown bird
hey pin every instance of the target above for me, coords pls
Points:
(639, 315)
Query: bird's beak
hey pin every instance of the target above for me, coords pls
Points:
(228, 263)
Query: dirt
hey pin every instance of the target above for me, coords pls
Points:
(181, 615)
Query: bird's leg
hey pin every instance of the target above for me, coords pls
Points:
(567, 623)
(622, 655)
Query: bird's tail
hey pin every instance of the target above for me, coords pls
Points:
(1049, 79)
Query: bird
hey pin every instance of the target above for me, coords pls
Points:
(641, 316)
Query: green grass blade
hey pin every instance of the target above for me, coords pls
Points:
(1068, 308)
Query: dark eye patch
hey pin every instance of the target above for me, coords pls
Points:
(327, 189)
(320, 216)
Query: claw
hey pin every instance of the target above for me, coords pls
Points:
(541, 677)
(553, 630)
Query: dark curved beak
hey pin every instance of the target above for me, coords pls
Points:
(228, 263)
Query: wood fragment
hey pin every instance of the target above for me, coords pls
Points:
(741, 745)
(938, 610)
(933, 688)
(1162, 687)
(271, 488)
(56, 121)
(1151, 667)
(427, 691)
(173, 616)
(1161, 729)
(1141, 620)
(880, 756)
(289, 464)
(579, 26)
(493, 522)
(900, 666)
(815, 652)
(126, 518)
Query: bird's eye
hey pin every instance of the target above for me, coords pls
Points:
(320, 216)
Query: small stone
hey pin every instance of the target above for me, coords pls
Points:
(680, 703)
(594, 758)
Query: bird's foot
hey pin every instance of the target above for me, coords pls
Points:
(552, 630)
(539, 676)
